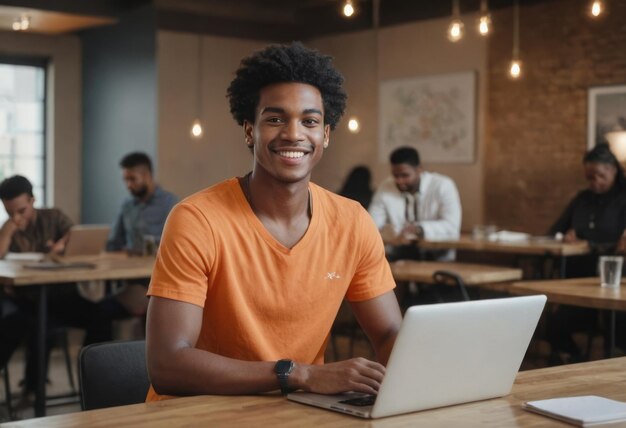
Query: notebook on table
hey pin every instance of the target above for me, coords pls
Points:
(446, 354)
(584, 411)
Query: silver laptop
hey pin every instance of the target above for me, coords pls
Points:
(87, 240)
(447, 354)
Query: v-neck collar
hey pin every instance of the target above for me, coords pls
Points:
(258, 226)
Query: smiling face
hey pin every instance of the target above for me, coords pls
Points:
(288, 132)
(20, 209)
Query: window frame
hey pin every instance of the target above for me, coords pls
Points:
(43, 63)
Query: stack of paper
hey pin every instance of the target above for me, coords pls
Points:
(508, 236)
(585, 411)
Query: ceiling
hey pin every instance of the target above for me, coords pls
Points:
(258, 19)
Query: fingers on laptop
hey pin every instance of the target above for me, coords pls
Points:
(356, 374)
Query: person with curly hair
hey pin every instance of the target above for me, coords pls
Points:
(251, 272)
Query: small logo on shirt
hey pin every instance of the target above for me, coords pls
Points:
(332, 275)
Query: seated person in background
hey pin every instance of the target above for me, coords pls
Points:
(358, 186)
(142, 216)
(43, 230)
(596, 215)
(251, 271)
(416, 204)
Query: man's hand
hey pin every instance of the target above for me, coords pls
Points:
(356, 374)
(56, 247)
(410, 234)
(570, 236)
(9, 228)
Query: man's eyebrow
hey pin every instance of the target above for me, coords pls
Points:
(272, 110)
(281, 110)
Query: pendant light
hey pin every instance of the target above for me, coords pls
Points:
(196, 126)
(348, 9)
(597, 8)
(484, 21)
(455, 29)
(515, 68)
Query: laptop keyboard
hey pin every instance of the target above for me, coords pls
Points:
(367, 400)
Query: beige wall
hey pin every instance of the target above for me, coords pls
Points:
(187, 165)
(414, 49)
(63, 112)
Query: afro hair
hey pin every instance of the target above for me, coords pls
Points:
(286, 63)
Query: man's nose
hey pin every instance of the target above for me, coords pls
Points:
(292, 131)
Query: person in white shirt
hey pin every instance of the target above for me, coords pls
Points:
(415, 204)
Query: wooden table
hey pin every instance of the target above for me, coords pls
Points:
(472, 274)
(583, 292)
(605, 378)
(543, 247)
(534, 246)
(105, 267)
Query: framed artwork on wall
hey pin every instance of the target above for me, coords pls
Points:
(435, 114)
(606, 116)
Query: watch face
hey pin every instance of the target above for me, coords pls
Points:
(283, 366)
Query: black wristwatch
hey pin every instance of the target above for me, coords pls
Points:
(283, 368)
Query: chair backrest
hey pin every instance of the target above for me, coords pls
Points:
(451, 278)
(113, 374)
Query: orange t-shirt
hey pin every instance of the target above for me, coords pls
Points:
(263, 301)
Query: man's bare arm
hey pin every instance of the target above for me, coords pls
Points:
(7, 231)
(380, 318)
(176, 367)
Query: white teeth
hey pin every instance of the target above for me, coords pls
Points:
(293, 155)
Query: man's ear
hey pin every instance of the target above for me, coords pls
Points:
(248, 133)
(326, 135)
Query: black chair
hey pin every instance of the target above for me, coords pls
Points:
(7, 391)
(113, 374)
(451, 278)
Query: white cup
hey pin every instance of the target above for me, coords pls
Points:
(611, 271)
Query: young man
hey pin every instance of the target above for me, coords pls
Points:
(417, 204)
(47, 231)
(141, 217)
(251, 272)
(29, 229)
(144, 212)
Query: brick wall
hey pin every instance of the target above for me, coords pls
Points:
(537, 126)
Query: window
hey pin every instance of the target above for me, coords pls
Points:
(22, 124)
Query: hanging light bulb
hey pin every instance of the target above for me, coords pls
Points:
(17, 25)
(515, 69)
(348, 9)
(196, 126)
(455, 29)
(597, 8)
(353, 125)
(196, 129)
(484, 22)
